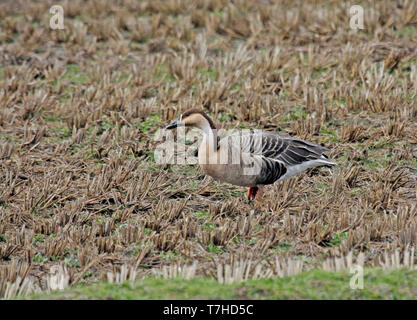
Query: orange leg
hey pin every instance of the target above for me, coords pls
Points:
(254, 192)
(259, 194)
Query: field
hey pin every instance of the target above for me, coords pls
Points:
(313, 284)
(83, 200)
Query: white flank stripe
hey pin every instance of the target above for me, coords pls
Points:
(296, 169)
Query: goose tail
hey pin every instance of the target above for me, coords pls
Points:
(326, 161)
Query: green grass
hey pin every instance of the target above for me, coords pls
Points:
(296, 113)
(314, 284)
(200, 214)
(336, 240)
(40, 258)
(407, 31)
(209, 73)
(149, 123)
(75, 74)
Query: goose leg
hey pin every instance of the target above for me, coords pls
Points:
(259, 193)
(252, 192)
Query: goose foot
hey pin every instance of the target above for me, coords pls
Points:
(254, 192)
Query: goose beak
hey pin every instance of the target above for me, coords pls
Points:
(172, 125)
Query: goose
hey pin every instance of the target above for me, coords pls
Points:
(251, 158)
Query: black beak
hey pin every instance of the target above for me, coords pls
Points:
(172, 125)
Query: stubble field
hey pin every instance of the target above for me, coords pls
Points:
(82, 197)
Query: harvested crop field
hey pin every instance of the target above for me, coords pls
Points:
(82, 196)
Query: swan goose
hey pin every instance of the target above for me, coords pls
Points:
(251, 158)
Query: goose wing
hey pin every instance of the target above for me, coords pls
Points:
(281, 156)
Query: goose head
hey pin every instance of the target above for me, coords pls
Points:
(193, 118)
